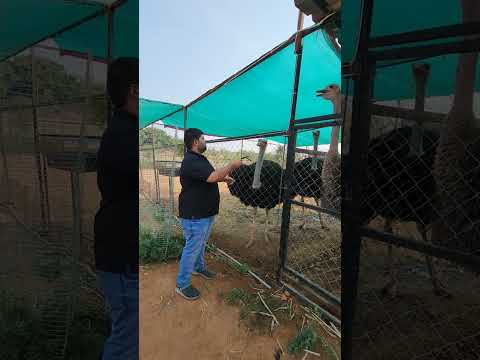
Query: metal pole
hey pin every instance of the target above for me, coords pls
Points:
(5, 162)
(353, 163)
(36, 142)
(109, 55)
(155, 175)
(292, 139)
(184, 126)
(76, 192)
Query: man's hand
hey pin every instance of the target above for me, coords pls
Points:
(236, 164)
(229, 180)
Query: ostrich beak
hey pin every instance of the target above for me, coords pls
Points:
(321, 92)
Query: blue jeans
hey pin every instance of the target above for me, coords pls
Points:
(121, 294)
(196, 233)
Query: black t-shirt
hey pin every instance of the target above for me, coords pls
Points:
(198, 198)
(116, 223)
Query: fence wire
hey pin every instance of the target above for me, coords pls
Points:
(248, 225)
(411, 305)
(160, 161)
(47, 203)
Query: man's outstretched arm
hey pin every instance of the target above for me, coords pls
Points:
(220, 174)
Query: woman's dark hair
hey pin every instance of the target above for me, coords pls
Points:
(190, 136)
(122, 73)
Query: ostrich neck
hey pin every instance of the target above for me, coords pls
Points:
(464, 89)
(333, 148)
(461, 114)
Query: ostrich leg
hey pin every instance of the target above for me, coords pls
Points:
(438, 287)
(320, 217)
(267, 238)
(391, 288)
(303, 226)
(252, 231)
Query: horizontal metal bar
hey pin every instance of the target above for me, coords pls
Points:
(426, 51)
(425, 35)
(73, 101)
(318, 118)
(320, 154)
(316, 208)
(248, 137)
(322, 311)
(325, 294)
(407, 114)
(317, 125)
(441, 252)
(70, 136)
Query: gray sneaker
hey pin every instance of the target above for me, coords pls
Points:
(209, 275)
(189, 293)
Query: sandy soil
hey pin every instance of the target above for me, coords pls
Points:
(208, 329)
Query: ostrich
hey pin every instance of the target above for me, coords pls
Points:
(399, 186)
(456, 167)
(331, 165)
(258, 185)
(307, 182)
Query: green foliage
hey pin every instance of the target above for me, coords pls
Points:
(86, 339)
(241, 268)
(238, 296)
(20, 333)
(305, 340)
(159, 138)
(155, 247)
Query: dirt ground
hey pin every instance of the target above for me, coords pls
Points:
(207, 329)
(416, 324)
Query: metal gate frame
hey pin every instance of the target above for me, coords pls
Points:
(327, 303)
(355, 145)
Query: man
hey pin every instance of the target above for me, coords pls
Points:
(199, 202)
(116, 223)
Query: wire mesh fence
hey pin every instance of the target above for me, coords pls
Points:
(417, 186)
(160, 237)
(314, 246)
(50, 118)
(248, 225)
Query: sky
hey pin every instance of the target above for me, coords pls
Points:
(187, 47)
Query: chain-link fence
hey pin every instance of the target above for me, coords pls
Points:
(314, 244)
(248, 225)
(417, 297)
(52, 115)
(160, 159)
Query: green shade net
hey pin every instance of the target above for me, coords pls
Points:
(259, 100)
(125, 34)
(152, 111)
(396, 82)
(24, 23)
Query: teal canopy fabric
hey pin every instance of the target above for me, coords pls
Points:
(152, 111)
(125, 34)
(258, 100)
(396, 82)
(24, 23)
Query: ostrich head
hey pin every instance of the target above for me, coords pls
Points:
(331, 92)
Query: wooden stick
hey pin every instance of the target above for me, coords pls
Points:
(312, 353)
(270, 311)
